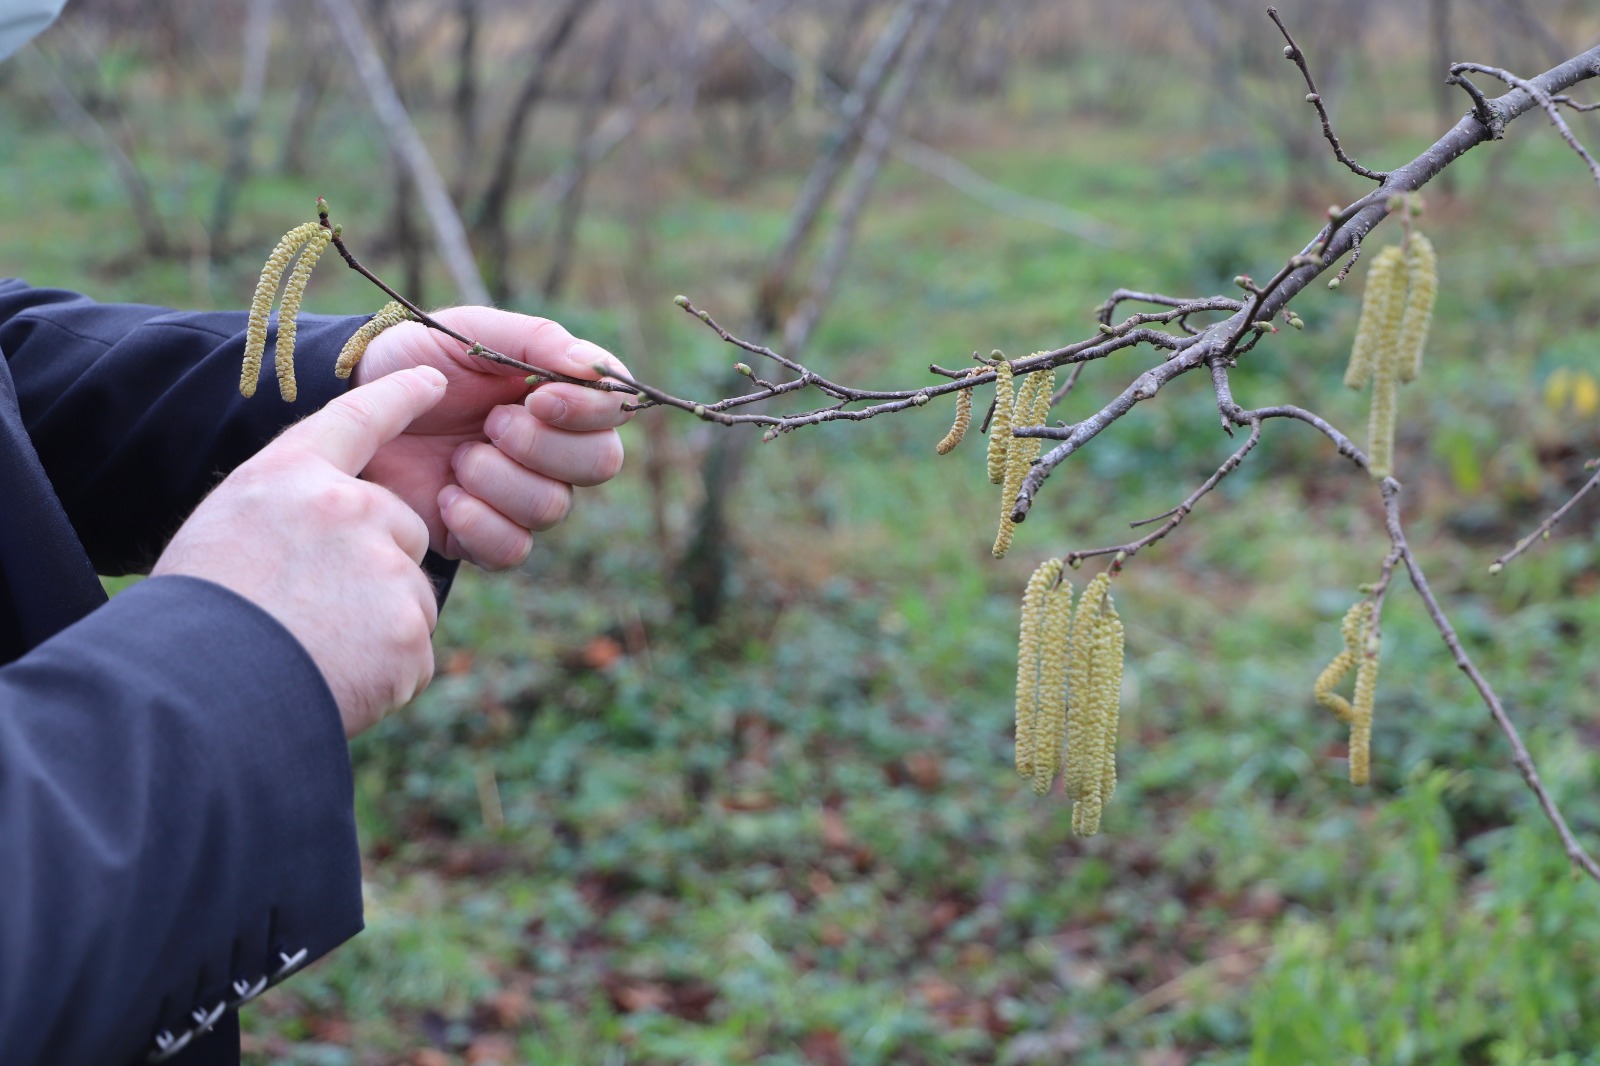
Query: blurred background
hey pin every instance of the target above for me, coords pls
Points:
(724, 774)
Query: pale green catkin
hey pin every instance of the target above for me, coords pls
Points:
(1031, 408)
(261, 303)
(1050, 720)
(1000, 424)
(294, 292)
(393, 314)
(1083, 727)
(1028, 659)
(1385, 285)
(1361, 712)
(1384, 412)
(963, 417)
(1111, 654)
(1422, 273)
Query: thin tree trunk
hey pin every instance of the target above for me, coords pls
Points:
(449, 234)
(600, 90)
(86, 127)
(252, 85)
(708, 558)
(464, 101)
(492, 225)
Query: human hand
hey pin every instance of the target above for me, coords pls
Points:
(494, 462)
(333, 558)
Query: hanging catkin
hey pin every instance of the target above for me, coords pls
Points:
(1050, 720)
(261, 303)
(1386, 285)
(393, 314)
(1422, 274)
(1000, 424)
(1028, 659)
(963, 417)
(1032, 408)
(294, 292)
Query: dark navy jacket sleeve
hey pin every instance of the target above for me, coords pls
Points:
(176, 812)
(135, 411)
(176, 826)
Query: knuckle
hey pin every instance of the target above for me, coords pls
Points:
(553, 508)
(608, 461)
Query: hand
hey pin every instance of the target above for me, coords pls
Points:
(493, 462)
(334, 559)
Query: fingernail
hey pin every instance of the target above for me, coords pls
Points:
(589, 354)
(547, 406)
(499, 421)
(457, 455)
(447, 496)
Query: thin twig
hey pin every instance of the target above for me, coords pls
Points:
(1543, 527)
(482, 351)
(1579, 857)
(1174, 516)
(1292, 51)
(1545, 100)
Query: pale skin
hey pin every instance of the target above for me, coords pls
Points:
(324, 528)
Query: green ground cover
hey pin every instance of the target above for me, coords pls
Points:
(604, 836)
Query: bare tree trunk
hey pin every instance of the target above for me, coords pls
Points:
(491, 225)
(708, 558)
(86, 127)
(600, 90)
(308, 99)
(252, 84)
(464, 101)
(449, 234)
(856, 111)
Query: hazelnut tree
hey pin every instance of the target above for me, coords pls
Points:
(1070, 657)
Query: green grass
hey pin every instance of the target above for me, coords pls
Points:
(797, 835)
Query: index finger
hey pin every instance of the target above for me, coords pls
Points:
(349, 431)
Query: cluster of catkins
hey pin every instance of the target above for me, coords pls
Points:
(1069, 691)
(1361, 653)
(1396, 311)
(302, 246)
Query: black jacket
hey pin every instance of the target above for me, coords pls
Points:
(176, 826)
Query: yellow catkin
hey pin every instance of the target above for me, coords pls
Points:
(1422, 274)
(1083, 768)
(1383, 414)
(963, 417)
(1028, 659)
(1331, 675)
(294, 291)
(393, 314)
(1050, 721)
(1361, 714)
(1108, 675)
(1031, 408)
(261, 304)
(1385, 284)
(1000, 424)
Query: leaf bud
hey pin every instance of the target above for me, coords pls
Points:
(920, 398)
(1242, 280)
(1312, 98)
(744, 369)
(1107, 330)
(770, 435)
(681, 301)
(1288, 51)
(1333, 283)
(1495, 568)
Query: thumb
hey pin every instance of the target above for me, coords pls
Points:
(349, 431)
